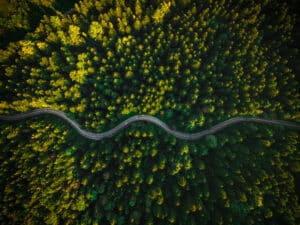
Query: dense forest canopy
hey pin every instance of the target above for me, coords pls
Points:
(191, 64)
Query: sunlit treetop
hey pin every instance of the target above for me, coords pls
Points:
(190, 63)
(125, 58)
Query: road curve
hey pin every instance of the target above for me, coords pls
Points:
(147, 118)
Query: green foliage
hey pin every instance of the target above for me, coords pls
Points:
(212, 141)
(19, 17)
(191, 64)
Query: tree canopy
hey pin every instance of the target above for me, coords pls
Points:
(190, 63)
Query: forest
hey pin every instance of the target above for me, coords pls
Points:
(191, 64)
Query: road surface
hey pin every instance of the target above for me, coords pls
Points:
(147, 118)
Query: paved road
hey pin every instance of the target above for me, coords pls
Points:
(147, 118)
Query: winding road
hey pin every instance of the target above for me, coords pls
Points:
(147, 118)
